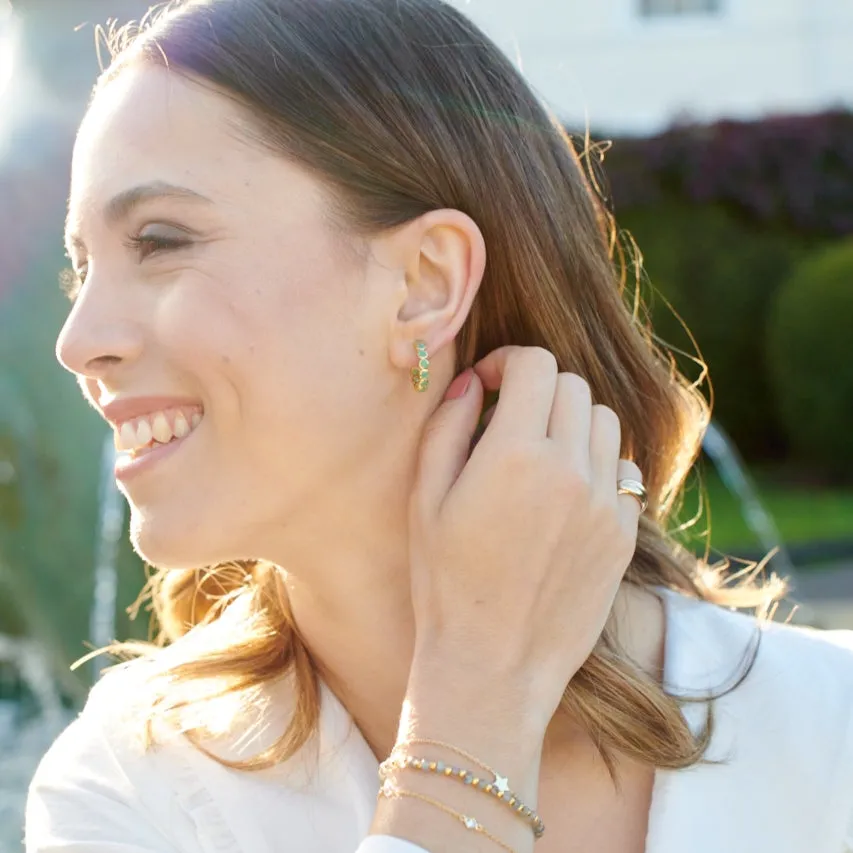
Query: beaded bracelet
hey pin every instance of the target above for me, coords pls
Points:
(468, 778)
(498, 787)
(388, 790)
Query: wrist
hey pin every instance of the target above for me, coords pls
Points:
(500, 697)
(492, 724)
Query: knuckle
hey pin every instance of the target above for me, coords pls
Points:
(605, 420)
(575, 385)
(603, 513)
(510, 352)
(605, 414)
(522, 458)
(561, 485)
(630, 470)
(541, 359)
(575, 483)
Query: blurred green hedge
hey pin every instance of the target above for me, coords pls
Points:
(811, 361)
(716, 272)
(723, 214)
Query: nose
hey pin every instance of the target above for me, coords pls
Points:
(97, 337)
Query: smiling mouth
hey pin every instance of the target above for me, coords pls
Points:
(143, 434)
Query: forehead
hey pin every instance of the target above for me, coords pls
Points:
(149, 124)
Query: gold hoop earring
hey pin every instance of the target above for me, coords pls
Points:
(420, 374)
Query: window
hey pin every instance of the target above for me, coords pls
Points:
(666, 8)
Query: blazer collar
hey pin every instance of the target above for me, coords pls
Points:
(708, 649)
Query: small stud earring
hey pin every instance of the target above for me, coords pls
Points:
(420, 374)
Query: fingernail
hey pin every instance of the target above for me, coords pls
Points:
(459, 385)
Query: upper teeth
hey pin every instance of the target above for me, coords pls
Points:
(160, 426)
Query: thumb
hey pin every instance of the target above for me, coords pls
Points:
(446, 441)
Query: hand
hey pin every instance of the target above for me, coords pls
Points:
(518, 551)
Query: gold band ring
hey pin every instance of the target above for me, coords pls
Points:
(636, 489)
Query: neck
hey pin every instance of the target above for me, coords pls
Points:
(349, 594)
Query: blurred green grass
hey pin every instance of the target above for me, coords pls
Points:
(802, 514)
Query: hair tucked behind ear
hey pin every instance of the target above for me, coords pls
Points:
(402, 107)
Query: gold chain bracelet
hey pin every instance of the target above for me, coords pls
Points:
(390, 791)
(498, 787)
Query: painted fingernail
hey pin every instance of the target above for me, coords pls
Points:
(459, 385)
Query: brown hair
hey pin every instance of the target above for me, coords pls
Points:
(401, 107)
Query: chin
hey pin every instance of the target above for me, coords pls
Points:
(173, 540)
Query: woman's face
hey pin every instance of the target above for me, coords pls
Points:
(220, 310)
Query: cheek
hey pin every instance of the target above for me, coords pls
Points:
(277, 357)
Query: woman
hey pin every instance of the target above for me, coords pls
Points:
(280, 218)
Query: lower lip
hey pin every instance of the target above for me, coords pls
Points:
(128, 466)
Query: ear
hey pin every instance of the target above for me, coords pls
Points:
(442, 256)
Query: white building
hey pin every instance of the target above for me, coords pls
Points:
(634, 66)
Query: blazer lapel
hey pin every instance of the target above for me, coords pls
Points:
(708, 808)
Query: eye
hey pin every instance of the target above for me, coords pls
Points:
(150, 241)
(157, 239)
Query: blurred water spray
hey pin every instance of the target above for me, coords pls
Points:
(110, 527)
(734, 475)
(25, 733)
(722, 451)
(8, 42)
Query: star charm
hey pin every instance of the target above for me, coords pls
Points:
(500, 784)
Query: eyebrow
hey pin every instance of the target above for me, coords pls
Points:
(121, 204)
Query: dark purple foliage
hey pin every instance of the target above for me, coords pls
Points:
(794, 171)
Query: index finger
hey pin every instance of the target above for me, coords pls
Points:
(527, 380)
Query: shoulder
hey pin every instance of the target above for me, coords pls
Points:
(818, 651)
(93, 785)
(783, 716)
(707, 642)
(781, 683)
(101, 782)
(812, 666)
(779, 761)
(808, 676)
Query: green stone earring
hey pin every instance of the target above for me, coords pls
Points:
(420, 374)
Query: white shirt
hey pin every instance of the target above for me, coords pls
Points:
(787, 732)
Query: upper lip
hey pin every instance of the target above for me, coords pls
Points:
(127, 408)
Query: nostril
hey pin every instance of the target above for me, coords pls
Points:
(103, 361)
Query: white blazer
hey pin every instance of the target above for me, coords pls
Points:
(787, 732)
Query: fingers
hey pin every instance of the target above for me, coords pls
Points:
(535, 400)
(527, 379)
(445, 446)
(605, 441)
(590, 438)
(571, 421)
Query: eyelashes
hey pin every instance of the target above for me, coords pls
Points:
(70, 282)
(144, 246)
